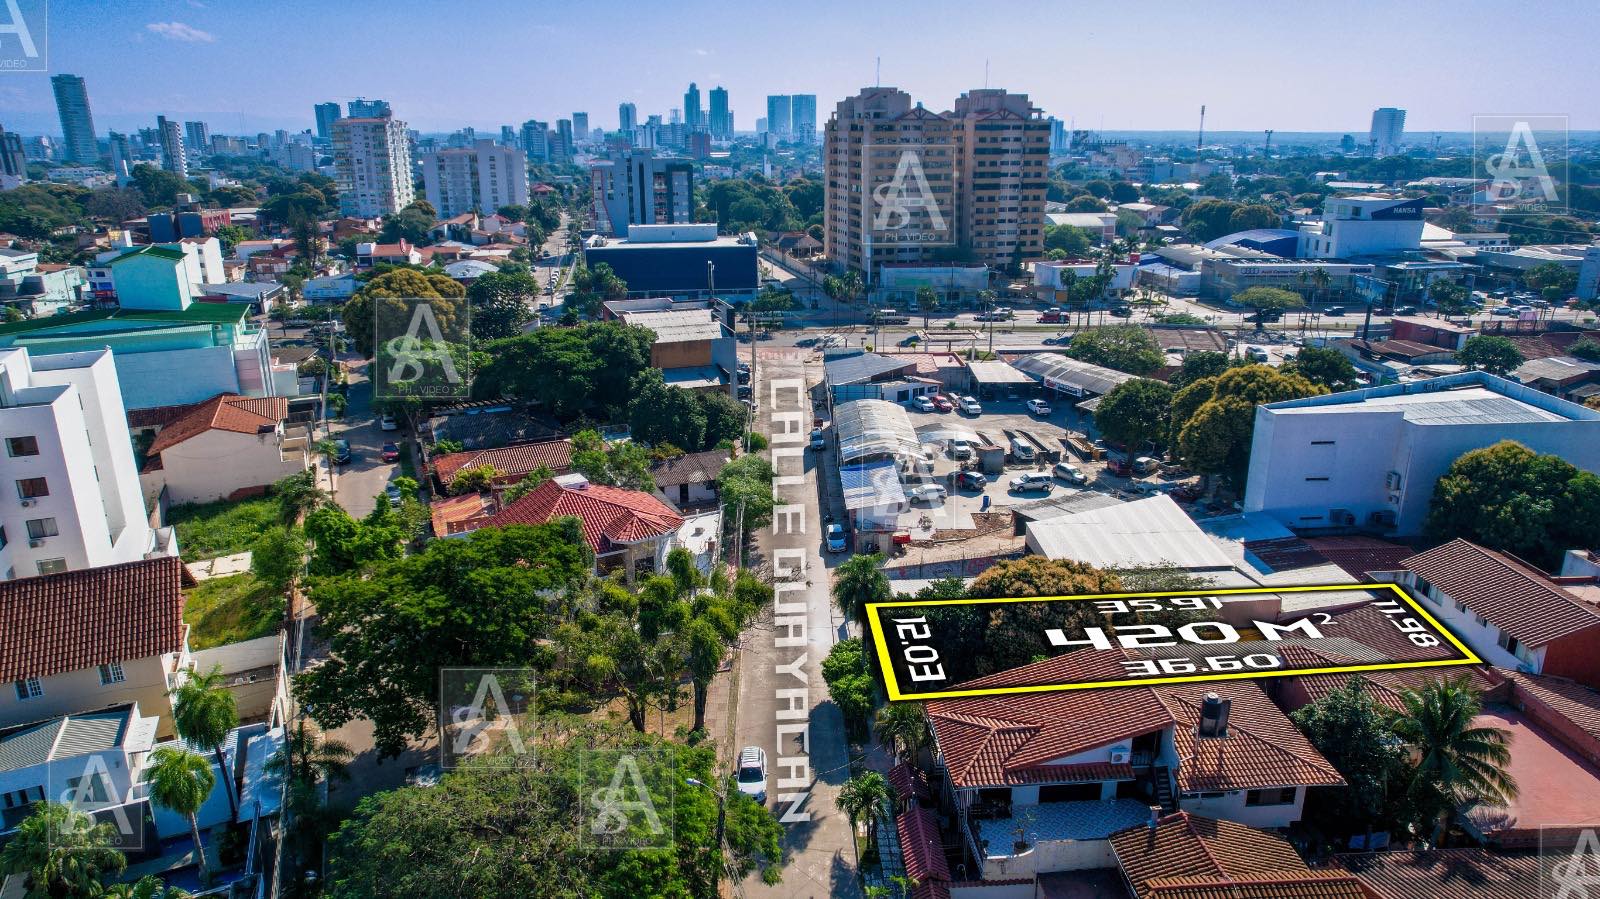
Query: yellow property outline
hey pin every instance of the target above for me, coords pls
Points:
(892, 684)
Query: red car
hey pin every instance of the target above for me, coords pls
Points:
(942, 403)
(391, 452)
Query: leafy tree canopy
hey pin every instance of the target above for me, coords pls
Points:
(1507, 497)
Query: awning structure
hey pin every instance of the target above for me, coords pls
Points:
(1067, 375)
(996, 374)
(870, 486)
(871, 428)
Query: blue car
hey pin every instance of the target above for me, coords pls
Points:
(835, 534)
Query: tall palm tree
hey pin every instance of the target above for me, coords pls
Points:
(864, 798)
(61, 853)
(1457, 762)
(204, 713)
(180, 781)
(147, 887)
(1320, 279)
(308, 756)
(857, 582)
(904, 727)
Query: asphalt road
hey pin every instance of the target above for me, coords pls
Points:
(366, 476)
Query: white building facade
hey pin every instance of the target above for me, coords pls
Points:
(1366, 225)
(71, 494)
(481, 178)
(372, 166)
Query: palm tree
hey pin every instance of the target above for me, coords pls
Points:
(852, 284)
(1320, 279)
(857, 582)
(864, 798)
(297, 495)
(147, 887)
(181, 781)
(927, 298)
(330, 450)
(307, 756)
(902, 725)
(204, 713)
(1457, 762)
(61, 853)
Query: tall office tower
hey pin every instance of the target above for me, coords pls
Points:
(580, 126)
(196, 138)
(173, 157)
(780, 114)
(481, 178)
(1060, 142)
(627, 117)
(974, 177)
(77, 123)
(562, 148)
(636, 187)
(1388, 126)
(508, 136)
(13, 162)
(674, 116)
(327, 114)
(692, 116)
(362, 108)
(372, 166)
(150, 140)
(803, 118)
(720, 119)
(536, 140)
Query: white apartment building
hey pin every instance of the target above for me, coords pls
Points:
(372, 166)
(1363, 226)
(69, 492)
(1388, 127)
(481, 178)
(1370, 458)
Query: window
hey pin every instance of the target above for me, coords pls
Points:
(2, 536)
(1423, 586)
(32, 488)
(23, 797)
(111, 674)
(89, 788)
(39, 528)
(22, 446)
(1482, 621)
(1283, 796)
(29, 688)
(1508, 642)
(1316, 479)
(51, 566)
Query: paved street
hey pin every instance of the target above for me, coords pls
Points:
(367, 474)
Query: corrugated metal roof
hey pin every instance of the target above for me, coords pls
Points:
(1151, 532)
(861, 368)
(996, 373)
(678, 326)
(874, 428)
(874, 485)
(1060, 372)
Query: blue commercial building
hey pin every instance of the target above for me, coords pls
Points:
(679, 259)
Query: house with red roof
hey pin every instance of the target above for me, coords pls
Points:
(629, 531)
(1184, 856)
(1070, 768)
(371, 254)
(223, 447)
(1512, 614)
(510, 463)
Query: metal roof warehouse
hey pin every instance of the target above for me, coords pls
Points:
(1058, 372)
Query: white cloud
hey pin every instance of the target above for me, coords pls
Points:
(700, 52)
(177, 31)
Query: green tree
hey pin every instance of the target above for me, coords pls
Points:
(593, 286)
(410, 224)
(1268, 299)
(1209, 219)
(277, 557)
(661, 414)
(476, 479)
(1255, 215)
(61, 853)
(625, 464)
(1351, 730)
(904, 726)
(1074, 242)
(341, 544)
(502, 304)
(180, 781)
(857, 582)
(1086, 203)
(1204, 364)
(1325, 367)
(598, 363)
(1458, 763)
(1123, 192)
(529, 483)
(1126, 348)
(864, 799)
(1215, 438)
(1448, 297)
(146, 887)
(1586, 348)
(1491, 353)
(387, 289)
(1136, 412)
(1555, 282)
(203, 712)
(725, 418)
(298, 494)
(745, 484)
(1507, 497)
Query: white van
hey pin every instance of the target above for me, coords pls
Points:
(1022, 450)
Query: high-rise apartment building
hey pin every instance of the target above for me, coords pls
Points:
(562, 148)
(174, 158)
(13, 162)
(121, 154)
(77, 123)
(536, 140)
(508, 136)
(803, 118)
(1388, 127)
(580, 126)
(196, 138)
(779, 114)
(720, 120)
(327, 114)
(362, 108)
(627, 117)
(692, 116)
(481, 178)
(372, 166)
(637, 187)
(905, 183)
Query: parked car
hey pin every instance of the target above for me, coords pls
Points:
(911, 340)
(942, 403)
(1022, 451)
(960, 449)
(970, 405)
(341, 452)
(1029, 483)
(391, 452)
(424, 775)
(393, 492)
(1256, 354)
(1144, 465)
(387, 423)
(1070, 473)
(1405, 310)
(923, 404)
(752, 774)
(927, 493)
(1038, 407)
(835, 534)
(1121, 312)
(1118, 466)
(1506, 311)
(971, 480)
(1333, 310)
(819, 440)
(1051, 315)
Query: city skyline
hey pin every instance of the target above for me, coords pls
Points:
(1228, 57)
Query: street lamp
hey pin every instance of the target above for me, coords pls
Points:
(722, 817)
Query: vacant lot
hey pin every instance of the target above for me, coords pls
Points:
(230, 609)
(206, 530)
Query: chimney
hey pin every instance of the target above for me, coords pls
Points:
(1155, 817)
(1214, 716)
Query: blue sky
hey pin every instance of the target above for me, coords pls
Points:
(1292, 66)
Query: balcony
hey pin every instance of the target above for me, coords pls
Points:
(1051, 836)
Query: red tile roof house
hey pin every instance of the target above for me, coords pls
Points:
(1070, 768)
(221, 448)
(1184, 856)
(1445, 874)
(511, 463)
(1510, 613)
(85, 640)
(628, 530)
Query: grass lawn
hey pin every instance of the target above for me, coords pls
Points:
(206, 530)
(229, 609)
